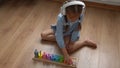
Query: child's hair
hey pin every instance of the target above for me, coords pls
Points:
(73, 8)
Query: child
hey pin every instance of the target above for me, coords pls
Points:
(66, 31)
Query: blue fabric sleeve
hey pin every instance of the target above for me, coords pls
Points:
(59, 33)
(75, 33)
(75, 36)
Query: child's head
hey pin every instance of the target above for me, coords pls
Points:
(73, 12)
(72, 9)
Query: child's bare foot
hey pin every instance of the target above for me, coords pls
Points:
(90, 44)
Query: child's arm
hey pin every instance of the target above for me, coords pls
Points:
(59, 33)
(67, 58)
(60, 40)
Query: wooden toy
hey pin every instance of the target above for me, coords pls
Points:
(52, 58)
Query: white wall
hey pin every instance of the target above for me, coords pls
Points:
(112, 2)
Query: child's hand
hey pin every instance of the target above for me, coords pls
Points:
(68, 60)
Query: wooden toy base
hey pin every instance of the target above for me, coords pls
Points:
(58, 63)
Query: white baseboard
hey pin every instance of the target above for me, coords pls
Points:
(117, 3)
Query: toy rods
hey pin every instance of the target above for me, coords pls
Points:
(50, 58)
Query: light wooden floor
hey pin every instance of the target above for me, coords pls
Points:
(21, 23)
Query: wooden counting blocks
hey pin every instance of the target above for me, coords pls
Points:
(36, 53)
(51, 58)
(48, 56)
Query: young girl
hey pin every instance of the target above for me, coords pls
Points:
(66, 31)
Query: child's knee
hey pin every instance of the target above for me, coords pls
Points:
(86, 41)
(43, 35)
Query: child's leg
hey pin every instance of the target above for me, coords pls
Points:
(74, 46)
(48, 35)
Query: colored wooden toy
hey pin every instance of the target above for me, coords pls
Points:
(36, 53)
(51, 58)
